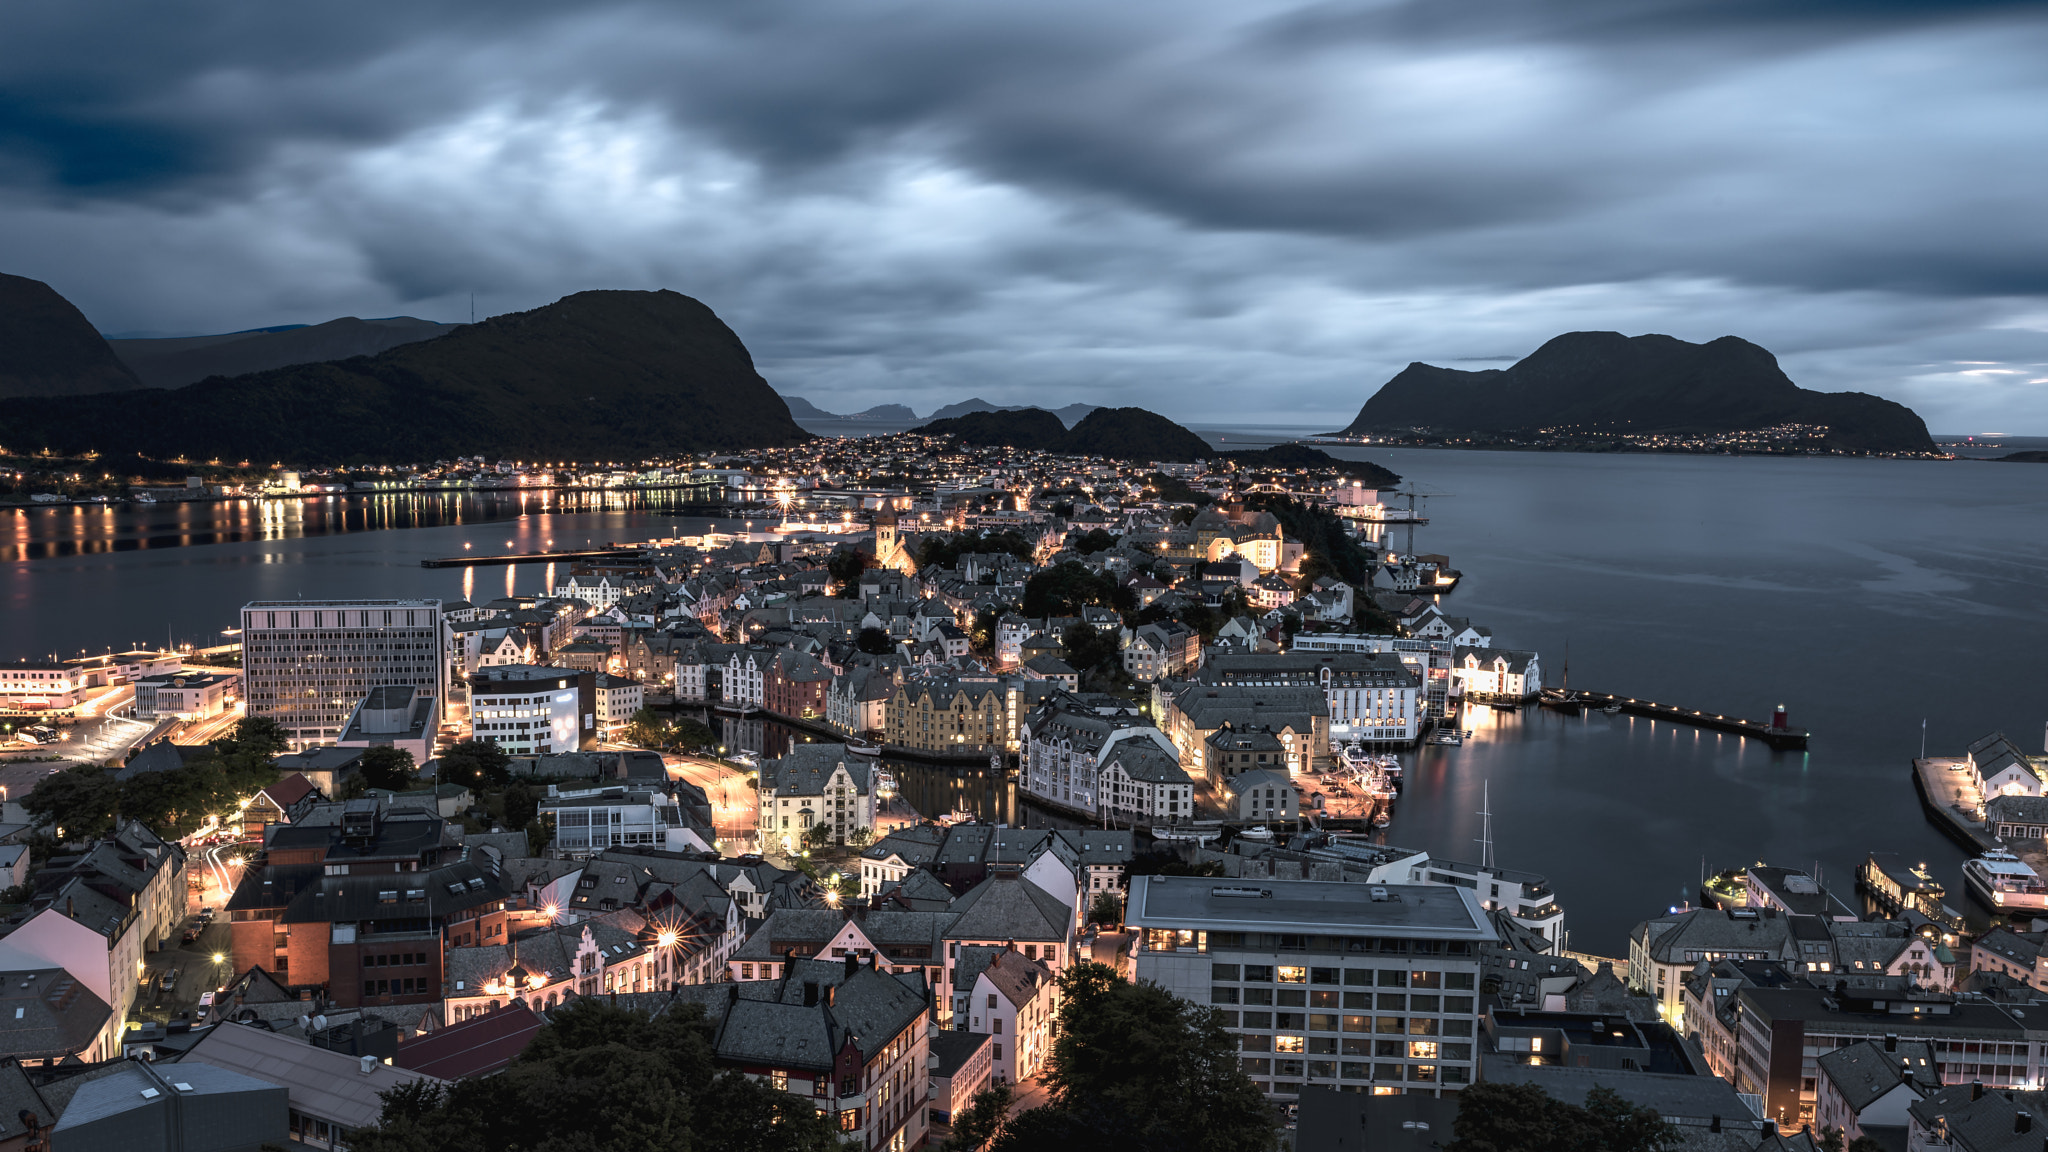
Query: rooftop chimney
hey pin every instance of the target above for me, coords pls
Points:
(1976, 1089)
(810, 993)
(2022, 1122)
(1891, 1041)
(852, 964)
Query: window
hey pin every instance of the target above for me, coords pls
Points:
(1293, 975)
(780, 1080)
(1287, 1044)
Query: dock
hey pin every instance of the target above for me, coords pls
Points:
(1949, 796)
(466, 561)
(1780, 737)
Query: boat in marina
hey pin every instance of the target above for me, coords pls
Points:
(2001, 880)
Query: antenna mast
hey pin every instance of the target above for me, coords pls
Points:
(1486, 825)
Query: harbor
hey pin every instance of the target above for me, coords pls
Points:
(1779, 733)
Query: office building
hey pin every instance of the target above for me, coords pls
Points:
(306, 663)
(1364, 987)
(534, 711)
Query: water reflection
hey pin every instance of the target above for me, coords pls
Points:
(37, 533)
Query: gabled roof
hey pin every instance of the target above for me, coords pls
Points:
(1006, 906)
(477, 1046)
(330, 1085)
(1864, 1072)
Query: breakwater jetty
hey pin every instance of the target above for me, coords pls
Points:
(1778, 733)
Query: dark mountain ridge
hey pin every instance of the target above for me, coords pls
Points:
(1118, 433)
(178, 361)
(596, 376)
(48, 348)
(1605, 383)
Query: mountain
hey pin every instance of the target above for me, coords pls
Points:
(803, 409)
(1028, 428)
(1134, 434)
(1122, 433)
(1069, 416)
(48, 348)
(2032, 456)
(884, 412)
(177, 362)
(592, 377)
(1303, 456)
(1606, 383)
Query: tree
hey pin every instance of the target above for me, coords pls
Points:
(81, 802)
(476, 762)
(1063, 589)
(1497, 1117)
(1180, 1087)
(1096, 540)
(1088, 649)
(875, 642)
(599, 1077)
(982, 633)
(257, 736)
(859, 837)
(818, 835)
(522, 804)
(981, 1123)
(649, 729)
(694, 734)
(845, 569)
(1107, 909)
(383, 766)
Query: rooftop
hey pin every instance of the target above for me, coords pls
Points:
(1206, 903)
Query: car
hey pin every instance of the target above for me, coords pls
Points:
(167, 981)
(191, 935)
(206, 915)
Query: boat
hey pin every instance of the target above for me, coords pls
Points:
(1259, 833)
(1999, 879)
(1612, 710)
(1382, 820)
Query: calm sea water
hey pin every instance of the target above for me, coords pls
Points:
(1866, 596)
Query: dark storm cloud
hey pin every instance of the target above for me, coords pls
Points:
(1158, 203)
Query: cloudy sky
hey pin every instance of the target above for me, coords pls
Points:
(1217, 210)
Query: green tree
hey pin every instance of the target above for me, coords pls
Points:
(981, 1123)
(80, 803)
(649, 729)
(383, 766)
(818, 835)
(875, 642)
(522, 804)
(1178, 1087)
(694, 734)
(845, 569)
(1107, 909)
(1096, 540)
(257, 736)
(859, 837)
(1497, 1117)
(982, 634)
(1089, 649)
(1063, 589)
(478, 763)
(599, 1078)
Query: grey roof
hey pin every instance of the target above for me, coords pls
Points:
(1308, 906)
(951, 1049)
(17, 1095)
(867, 1006)
(1260, 778)
(328, 1085)
(920, 891)
(1006, 906)
(1985, 1124)
(805, 930)
(2016, 809)
(121, 1089)
(1712, 930)
(807, 768)
(1099, 845)
(1864, 1072)
(320, 759)
(162, 756)
(46, 1013)
(1143, 760)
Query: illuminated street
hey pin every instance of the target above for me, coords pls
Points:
(734, 800)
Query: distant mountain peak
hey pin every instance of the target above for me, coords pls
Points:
(49, 348)
(1606, 382)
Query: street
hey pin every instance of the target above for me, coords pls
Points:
(201, 966)
(735, 801)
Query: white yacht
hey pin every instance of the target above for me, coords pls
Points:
(1999, 879)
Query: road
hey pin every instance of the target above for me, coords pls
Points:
(201, 966)
(734, 800)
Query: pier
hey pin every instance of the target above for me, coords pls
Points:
(1777, 735)
(532, 558)
(1949, 795)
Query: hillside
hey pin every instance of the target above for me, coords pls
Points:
(1303, 456)
(1604, 383)
(48, 348)
(1069, 415)
(1133, 434)
(1029, 428)
(592, 377)
(176, 362)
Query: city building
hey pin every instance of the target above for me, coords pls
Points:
(393, 716)
(306, 663)
(185, 695)
(1263, 794)
(588, 821)
(1011, 999)
(34, 686)
(1142, 780)
(95, 911)
(1320, 985)
(948, 714)
(330, 1094)
(617, 699)
(815, 785)
(530, 710)
(962, 1066)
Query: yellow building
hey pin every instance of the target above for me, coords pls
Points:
(949, 713)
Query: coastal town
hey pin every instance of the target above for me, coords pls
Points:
(354, 848)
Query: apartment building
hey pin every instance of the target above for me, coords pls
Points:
(948, 714)
(305, 663)
(1371, 696)
(815, 784)
(588, 821)
(1323, 984)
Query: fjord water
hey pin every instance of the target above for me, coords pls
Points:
(1862, 594)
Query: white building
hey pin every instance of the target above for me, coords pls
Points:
(305, 663)
(1011, 999)
(590, 820)
(1141, 780)
(746, 677)
(1497, 672)
(617, 699)
(36, 686)
(185, 695)
(600, 591)
(529, 710)
(1264, 794)
(815, 784)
